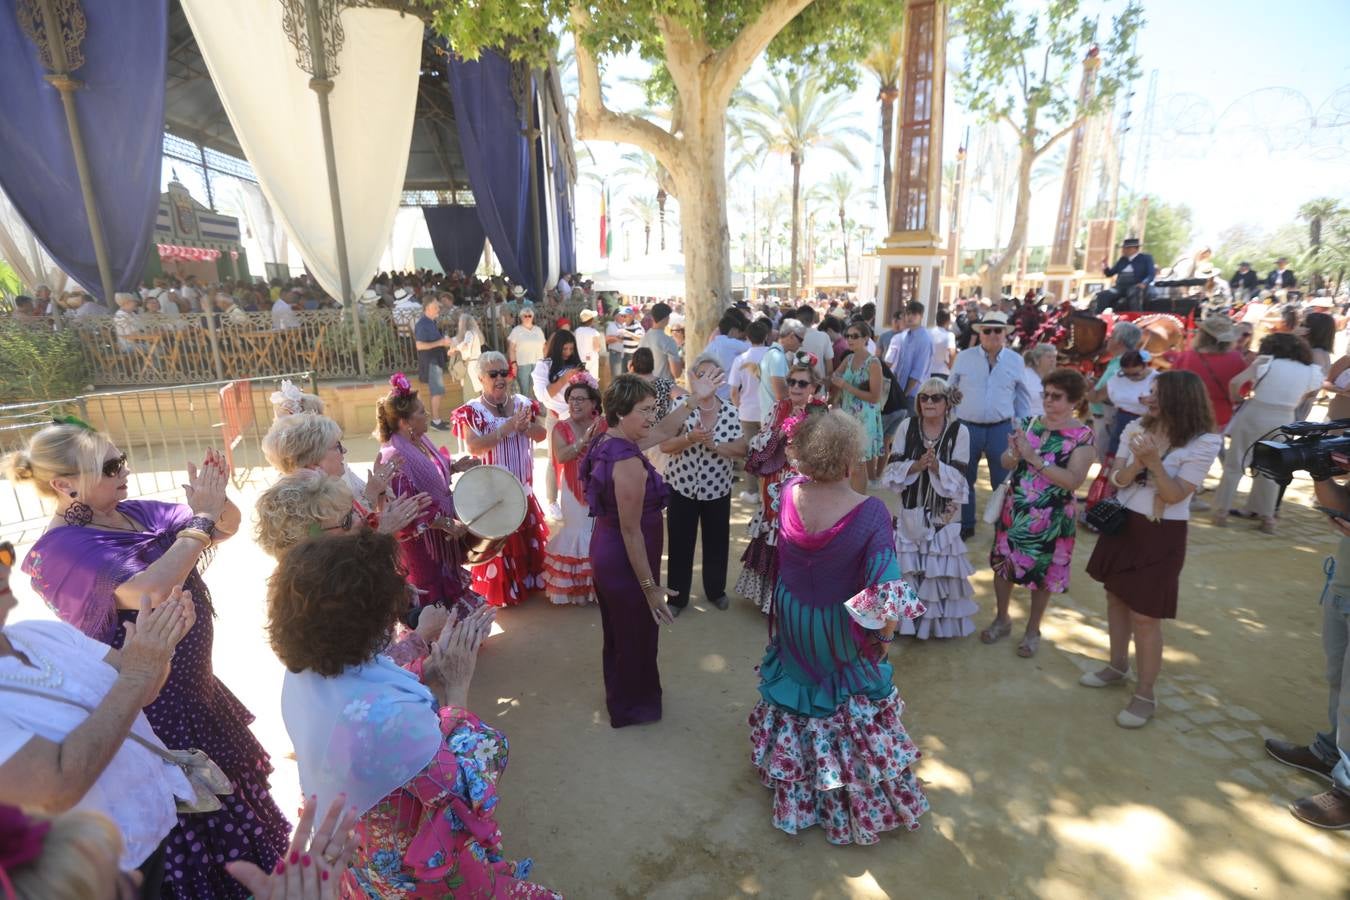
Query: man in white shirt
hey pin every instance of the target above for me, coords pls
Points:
(565, 288)
(589, 342)
(665, 352)
(994, 393)
(87, 307)
(944, 344)
(773, 366)
(743, 380)
(725, 347)
(191, 292)
(406, 311)
(817, 342)
(283, 314)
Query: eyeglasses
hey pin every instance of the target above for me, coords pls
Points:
(853, 337)
(932, 398)
(991, 331)
(345, 524)
(115, 466)
(800, 382)
(341, 449)
(498, 373)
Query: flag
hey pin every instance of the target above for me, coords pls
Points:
(604, 222)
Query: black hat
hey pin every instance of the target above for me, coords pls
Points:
(1130, 242)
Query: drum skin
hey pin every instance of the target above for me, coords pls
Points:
(492, 503)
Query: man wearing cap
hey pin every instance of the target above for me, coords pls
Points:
(1245, 282)
(589, 342)
(1134, 273)
(1280, 277)
(993, 393)
(665, 352)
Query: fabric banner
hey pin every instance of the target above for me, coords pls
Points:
(398, 253)
(496, 156)
(567, 251)
(456, 236)
(20, 249)
(120, 108)
(275, 115)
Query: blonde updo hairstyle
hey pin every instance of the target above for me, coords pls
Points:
(59, 451)
(290, 508)
(80, 855)
(826, 445)
(299, 441)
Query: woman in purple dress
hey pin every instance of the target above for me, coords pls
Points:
(627, 498)
(99, 556)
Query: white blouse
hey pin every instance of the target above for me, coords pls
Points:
(1188, 464)
(137, 788)
(1127, 394)
(1284, 382)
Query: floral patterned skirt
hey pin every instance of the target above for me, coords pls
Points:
(848, 773)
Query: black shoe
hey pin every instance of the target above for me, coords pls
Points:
(674, 610)
(721, 602)
(967, 533)
(1299, 756)
(440, 426)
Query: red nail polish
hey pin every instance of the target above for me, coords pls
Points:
(304, 860)
(281, 868)
(295, 857)
(323, 876)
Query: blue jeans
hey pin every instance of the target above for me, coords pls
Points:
(1333, 745)
(989, 441)
(525, 378)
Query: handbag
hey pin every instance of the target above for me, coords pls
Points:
(209, 782)
(994, 507)
(1106, 516)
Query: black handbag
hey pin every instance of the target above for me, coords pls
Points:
(1106, 516)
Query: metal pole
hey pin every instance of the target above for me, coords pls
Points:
(206, 177)
(322, 86)
(60, 79)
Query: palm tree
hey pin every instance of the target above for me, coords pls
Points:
(643, 166)
(839, 191)
(798, 116)
(641, 210)
(1317, 213)
(885, 63)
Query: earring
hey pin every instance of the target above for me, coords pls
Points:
(78, 514)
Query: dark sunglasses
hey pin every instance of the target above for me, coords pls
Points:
(498, 373)
(115, 466)
(341, 449)
(854, 336)
(932, 398)
(345, 524)
(7, 555)
(1053, 395)
(800, 382)
(991, 331)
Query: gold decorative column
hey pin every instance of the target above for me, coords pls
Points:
(911, 257)
(1060, 272)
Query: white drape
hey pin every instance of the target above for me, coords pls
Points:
(398, 254)
(275, 115)
(20, 249)
(269, 234)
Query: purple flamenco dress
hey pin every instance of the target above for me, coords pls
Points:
(632, 681)
(826, 734)
(76, 571)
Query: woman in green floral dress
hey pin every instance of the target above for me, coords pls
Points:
(1034, 536)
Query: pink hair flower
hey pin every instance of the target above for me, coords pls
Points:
(399, 382)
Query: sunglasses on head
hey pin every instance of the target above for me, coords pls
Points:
(498, 373)
(115, 466)
(800, 382)
(932, 398)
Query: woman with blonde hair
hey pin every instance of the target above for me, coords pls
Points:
(826, 736)
(929, 474)
(468, 343)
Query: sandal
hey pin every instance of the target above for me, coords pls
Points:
(996, 631)
(1095, 680)
(1127, 719)
(1267, 525)
(1029, 645)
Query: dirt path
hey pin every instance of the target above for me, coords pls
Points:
(1035, 791)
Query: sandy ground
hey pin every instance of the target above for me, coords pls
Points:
(1035, 791)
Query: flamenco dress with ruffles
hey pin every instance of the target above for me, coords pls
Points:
(568, 575)
(826, 735)
(928, 533)
(437, 835)
(76, 571)
(766, 459)
(632, 679)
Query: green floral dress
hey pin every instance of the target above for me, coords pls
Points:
(1034, 536)
(869, 414)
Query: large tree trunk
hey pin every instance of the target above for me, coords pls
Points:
(796, 223)
(887, 98)
(702, 190)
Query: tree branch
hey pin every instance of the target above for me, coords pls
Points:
(733, 61)
(684, 53)
(597, 121)
(1059, 134)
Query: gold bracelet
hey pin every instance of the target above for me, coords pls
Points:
(197, 535)
(646, 583)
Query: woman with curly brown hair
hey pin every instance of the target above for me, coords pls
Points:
(429, 547)
(417, 766)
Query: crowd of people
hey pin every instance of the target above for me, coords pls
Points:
(384, 589)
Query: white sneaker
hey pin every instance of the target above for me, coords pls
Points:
(749, 497)
(554, 510)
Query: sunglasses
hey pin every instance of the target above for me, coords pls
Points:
(853, 337)
(991, 331)
(800, 382)
(1053, 395)
(345, 524)
(498, 373)
(341, 449)
(115, 466)
(932, 398)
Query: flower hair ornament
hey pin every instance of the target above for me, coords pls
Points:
(399, 385)
(803, 358)
(584, 377)
(21, 840)
(792, 423)
(287, 398)
(72, 420)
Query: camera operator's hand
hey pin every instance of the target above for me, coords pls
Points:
(1334, 495)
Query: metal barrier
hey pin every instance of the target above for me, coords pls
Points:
(194, 347)
(160, 429)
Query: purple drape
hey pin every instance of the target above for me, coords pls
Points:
(456, 236)
(496, 156)
(121, 113)
(567, 251)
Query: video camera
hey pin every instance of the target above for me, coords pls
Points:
(1301, 446)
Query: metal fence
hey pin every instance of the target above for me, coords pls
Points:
(160, 429)
(194, 348)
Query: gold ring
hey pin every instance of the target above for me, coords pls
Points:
(332, 860)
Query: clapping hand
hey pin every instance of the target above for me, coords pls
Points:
(400, 512)
(205, 489)
(151, 639)
(928, 461)
(378, 478)
(455, 654)
(1145, 449)
(700, 435)
(307, 873)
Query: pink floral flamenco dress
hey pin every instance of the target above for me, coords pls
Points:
(826, 736)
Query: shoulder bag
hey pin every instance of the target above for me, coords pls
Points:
(209, 782)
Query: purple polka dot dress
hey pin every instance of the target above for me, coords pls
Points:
(76, 571)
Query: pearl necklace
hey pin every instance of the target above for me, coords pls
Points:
(47, 675)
